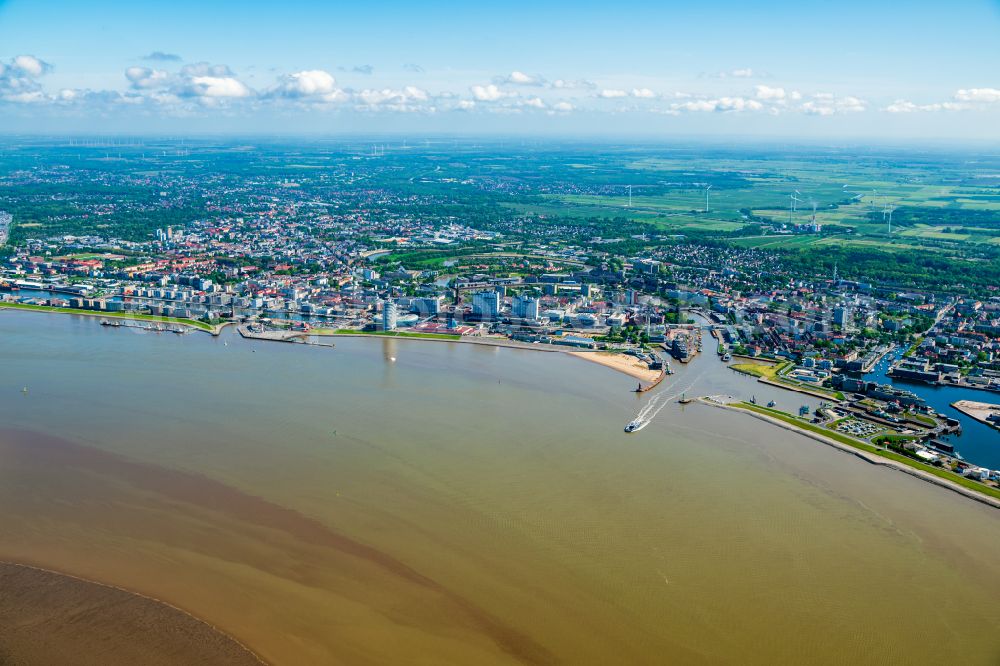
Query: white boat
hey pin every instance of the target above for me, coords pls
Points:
(636, 425)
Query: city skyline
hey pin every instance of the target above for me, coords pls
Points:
(582, 70)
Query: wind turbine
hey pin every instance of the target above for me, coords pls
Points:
(706, 197)
(874, 198)
(629, 196)
(792, 200)
(891, 208)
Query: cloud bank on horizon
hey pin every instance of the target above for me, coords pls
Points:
(55, 87)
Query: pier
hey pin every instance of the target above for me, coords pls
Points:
(642, 388)
(153, 328)
(256, 332)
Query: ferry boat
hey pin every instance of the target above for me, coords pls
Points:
(636, 425)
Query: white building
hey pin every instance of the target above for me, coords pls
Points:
(426, 306)
(486, 305)
(525, 307)
(389, 314)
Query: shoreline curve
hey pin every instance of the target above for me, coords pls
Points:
(225, 638)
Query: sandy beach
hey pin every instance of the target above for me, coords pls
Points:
(630, 365)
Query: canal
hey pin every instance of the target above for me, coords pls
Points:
(978, 443)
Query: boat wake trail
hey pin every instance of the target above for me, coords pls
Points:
(649, 407)
(656, 405)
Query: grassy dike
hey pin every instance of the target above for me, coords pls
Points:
(841, 438)
(772, 373)
(110, 315)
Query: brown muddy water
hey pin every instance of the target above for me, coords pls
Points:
(462, 504)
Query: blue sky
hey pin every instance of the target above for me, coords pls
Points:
(805, 69)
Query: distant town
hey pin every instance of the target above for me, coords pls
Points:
(268, 257)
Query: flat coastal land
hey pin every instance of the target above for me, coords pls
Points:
(869, 453)
(192, 323)
(981, 411)
(50, 618)
(623, 363)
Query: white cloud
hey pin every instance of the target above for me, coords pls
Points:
(307, 83)
(490, 93)
(984, 95)
(963, 100)
(579, 84)
(851, 104)
(30, 65)
(217, 87)
(739, 104)
(521, 79)
(407, 95)
(206, 69)
(409, 99)
(827, 104)
(415, 93)
(26, 97)
(767, 92)
(144, 78)
(194, 87)
(718, 105)
(19, 79)
(695, 105)
(199, 81)
(906, 106)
